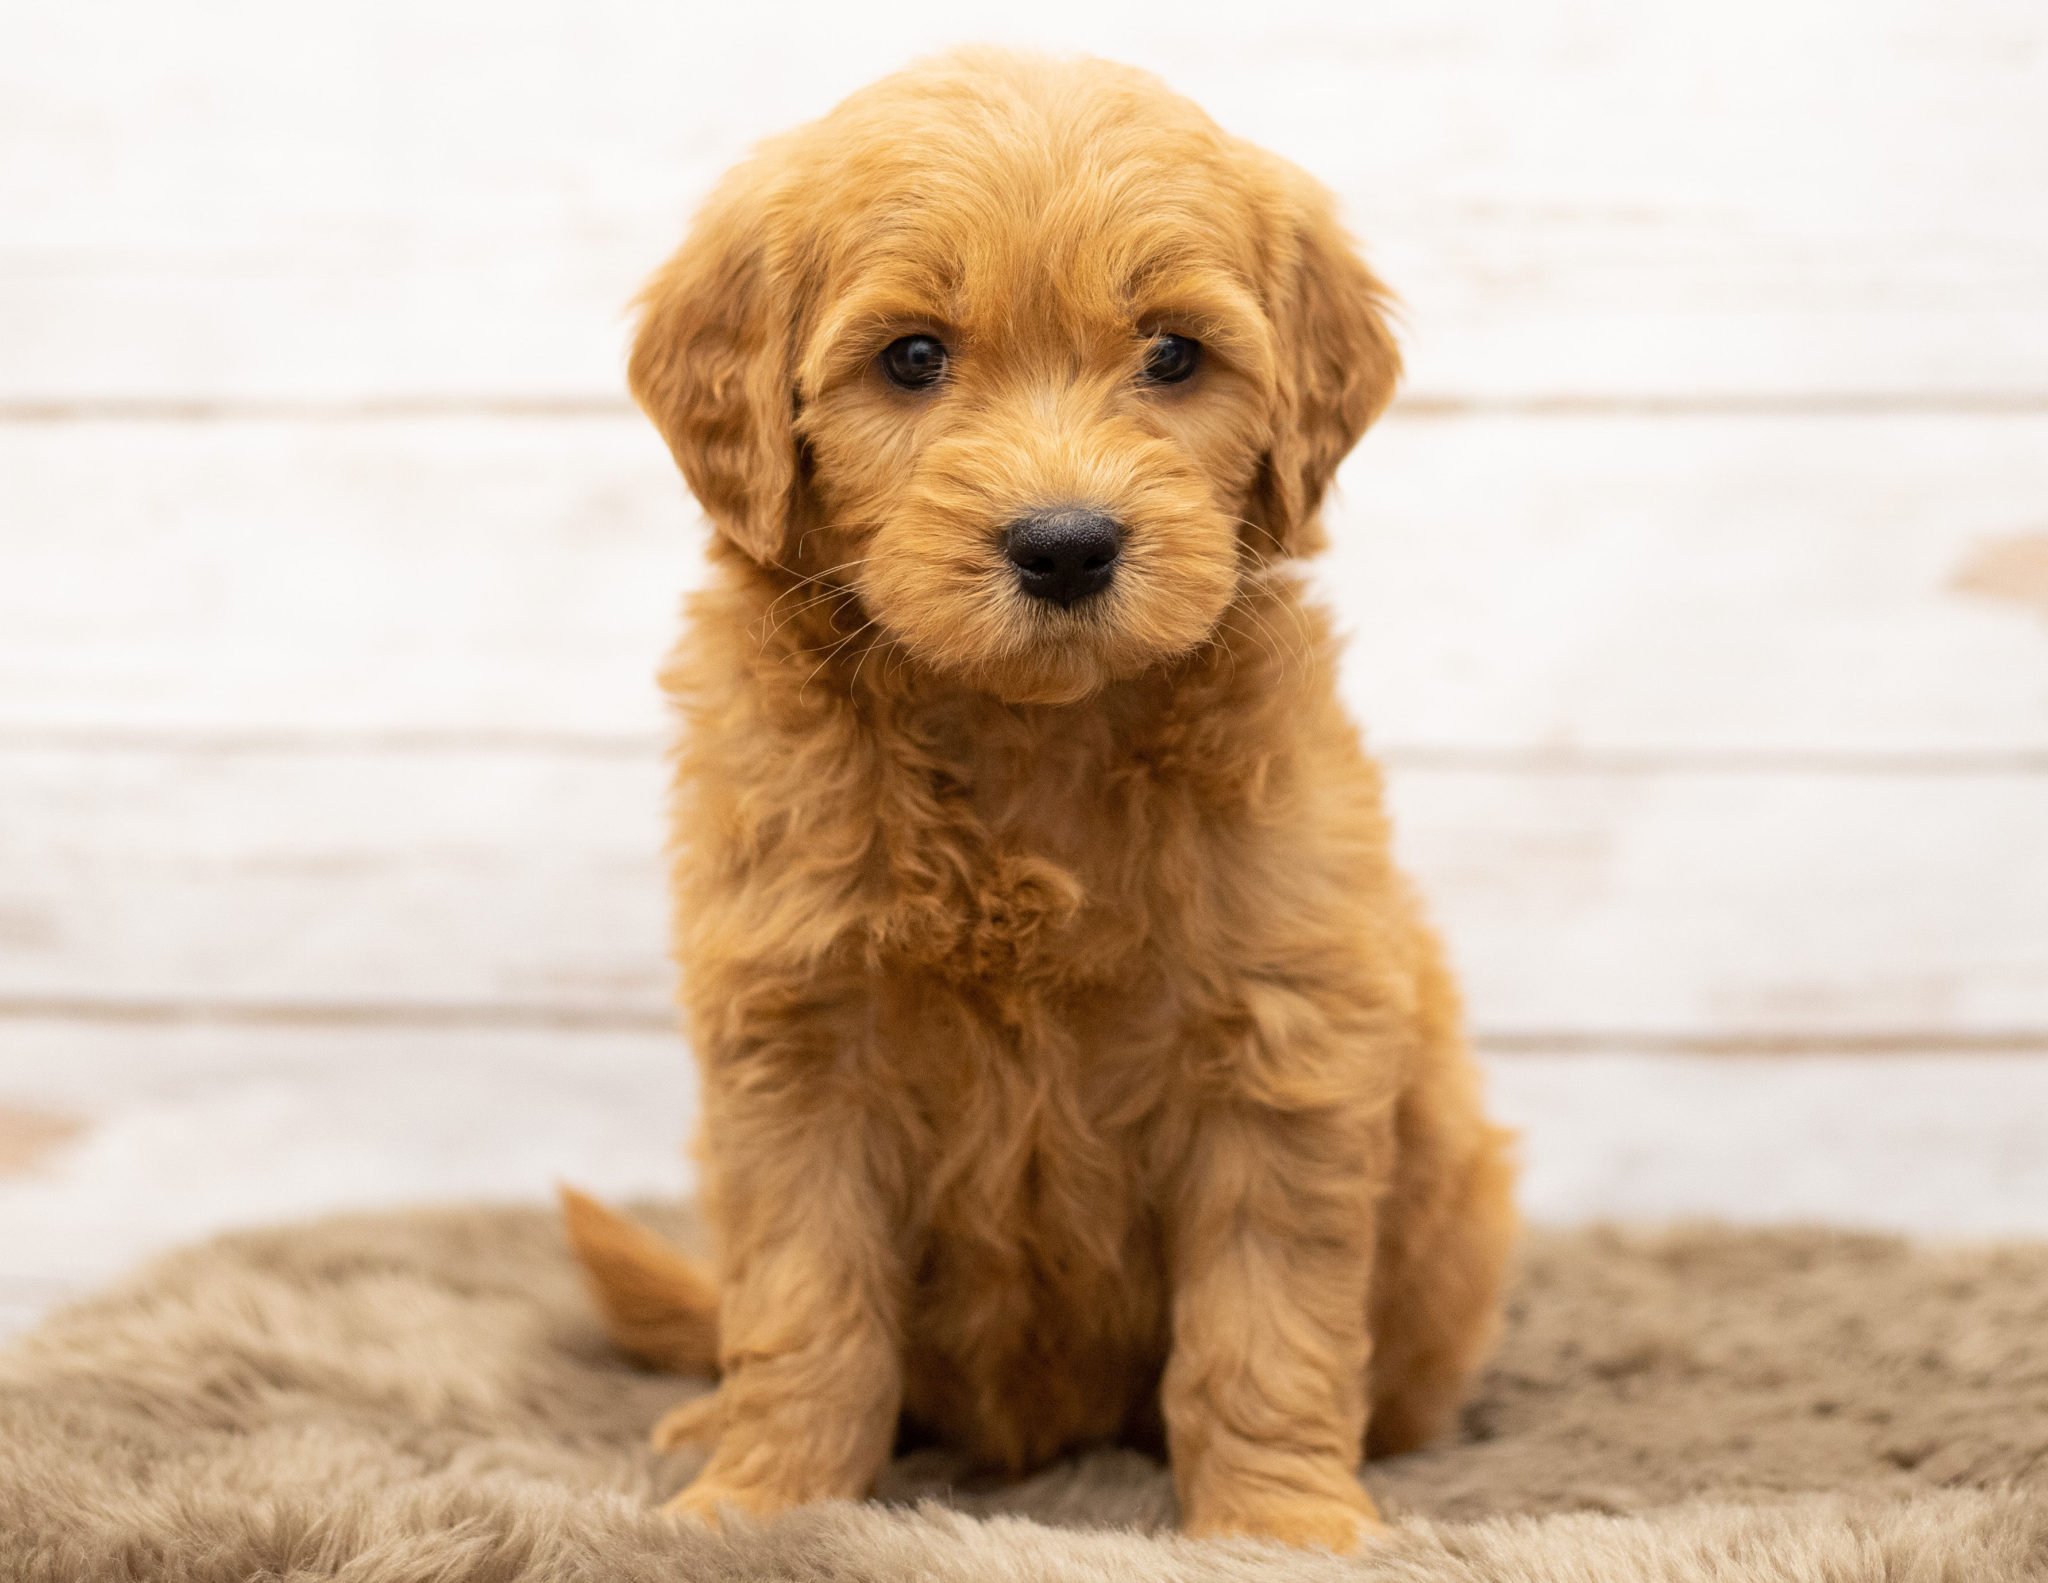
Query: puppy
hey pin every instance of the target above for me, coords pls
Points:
(1076, 1065)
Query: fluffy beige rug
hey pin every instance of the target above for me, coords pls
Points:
(425, 1397)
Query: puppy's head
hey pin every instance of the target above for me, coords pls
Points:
(1027, 354)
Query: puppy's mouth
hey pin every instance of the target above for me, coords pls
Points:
(1050, 611)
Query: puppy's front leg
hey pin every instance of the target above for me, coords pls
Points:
(810, 1300)
(1265, 1393)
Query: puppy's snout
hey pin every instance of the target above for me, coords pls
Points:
(1064, 555)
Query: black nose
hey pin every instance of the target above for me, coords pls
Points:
(1064, 555)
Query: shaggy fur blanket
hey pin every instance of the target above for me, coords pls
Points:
(426, 1397)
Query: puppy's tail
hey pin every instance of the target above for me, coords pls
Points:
(658, 1306)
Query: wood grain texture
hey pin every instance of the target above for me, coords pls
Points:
(1693, 589)
(520, 881)
(1725, 587)
(518, 886)
(1766, 200)
(190, 1127)
(1941, 1145)
(193, 1128)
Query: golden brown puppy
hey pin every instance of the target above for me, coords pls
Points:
(1076, 1064)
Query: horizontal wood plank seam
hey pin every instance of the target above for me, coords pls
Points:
(1867, 1042)
(470, 1016)
(1817, 403)
(1546, 760)
(428, 1016)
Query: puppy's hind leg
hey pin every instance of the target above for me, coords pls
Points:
(1446, 1230)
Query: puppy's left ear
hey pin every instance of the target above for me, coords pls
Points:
(1338, 367)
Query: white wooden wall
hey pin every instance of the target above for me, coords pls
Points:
(1699, 584)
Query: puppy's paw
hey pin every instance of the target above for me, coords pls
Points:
(691, 1423)
(1314, 1522)
(709, 1501)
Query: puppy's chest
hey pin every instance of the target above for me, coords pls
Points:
(1039, 867)
(1038, 1315)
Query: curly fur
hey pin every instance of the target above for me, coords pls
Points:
(1077, 1067)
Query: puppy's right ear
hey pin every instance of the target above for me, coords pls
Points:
(711, 366)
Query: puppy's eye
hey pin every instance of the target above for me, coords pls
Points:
(1170, 359)
(916, 362)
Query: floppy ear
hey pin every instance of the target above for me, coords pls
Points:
(1338, 367)
(711, 366)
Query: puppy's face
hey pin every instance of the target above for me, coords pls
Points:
(1036, 425)
(1028, 354)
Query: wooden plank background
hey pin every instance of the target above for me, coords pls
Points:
(1697, 587)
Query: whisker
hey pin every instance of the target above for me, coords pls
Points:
(809, 604)
(854, 680)
(833, 654)
(1265, 532)
(1283, 596)
(805, 538)
(1280, 585)
(1299, 653)
(803, 582)
(804, 578)
(1263, 644)
(1225, 649)
(1269, 639)
(1267, 578)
